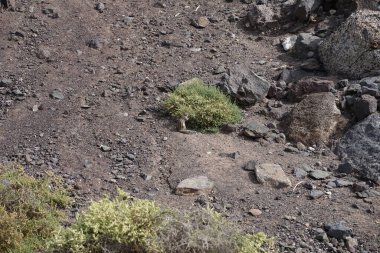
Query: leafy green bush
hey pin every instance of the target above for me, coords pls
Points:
(208, 108)
(132, 225)
(30, 209)
(121, 223)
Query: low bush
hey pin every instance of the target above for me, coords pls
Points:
(30, 209)
(208, 108)
(132, 225)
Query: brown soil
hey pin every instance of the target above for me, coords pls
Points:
(113, 96)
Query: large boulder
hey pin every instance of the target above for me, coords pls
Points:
(244, 86)
(313, 120)
(353, 49)
(360, 148)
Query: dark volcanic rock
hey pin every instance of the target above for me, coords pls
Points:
(244, 85)
(365, 106)
(353, 50)
(360, 147)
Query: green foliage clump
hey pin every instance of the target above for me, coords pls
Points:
(208, 108)
(127, 224)
(132, 225)
(30, 209)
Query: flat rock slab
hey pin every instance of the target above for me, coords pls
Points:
(194, 186)
(271, 175)
(319, 174)
(256, 130)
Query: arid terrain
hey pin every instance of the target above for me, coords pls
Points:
(82, 94)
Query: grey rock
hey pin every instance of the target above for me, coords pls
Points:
(360, 147)
(365, 106)
(291, 149)
(293, 75)
(299, 173)
(289, 42)
(195, 186)
(57, 94)
(353, 89)
(255, 130)
(100, 7)
(271, 175)
(96, 43)
(243, 85)
(305, 7)
(343, 183)
(6, 82)
(250, 166)
(351, 244)
(105, 148)
(305, 43)
(43, 54)
(316, 194)
(271, 15)
(321, 235)
(313, 120)
(338, 231)
(348, 51)
(319, 174)
(201, 22)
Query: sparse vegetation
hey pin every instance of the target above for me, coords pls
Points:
(31, 217)
(132, 225)
(30, 209)
(208, 108)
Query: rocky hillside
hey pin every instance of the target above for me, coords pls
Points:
(82, 83)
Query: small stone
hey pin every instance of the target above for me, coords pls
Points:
(5, 82)
(255, 212)
(351, 244)
(96, 43)
(201, 22)
(299, 173)
(319, 174)
(250, 166)
(301, 146)
(105, 148)
(57, 94)
(316, 194)
(293, 150)
(195, 186)
(321, 235)
(43, 54)
(288, 42)
(100, 7)
(35, 108)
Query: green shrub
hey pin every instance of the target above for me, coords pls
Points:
(208, 108)
(132, 225)
(30, 209)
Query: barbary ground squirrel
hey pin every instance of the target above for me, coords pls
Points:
(181, 124)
